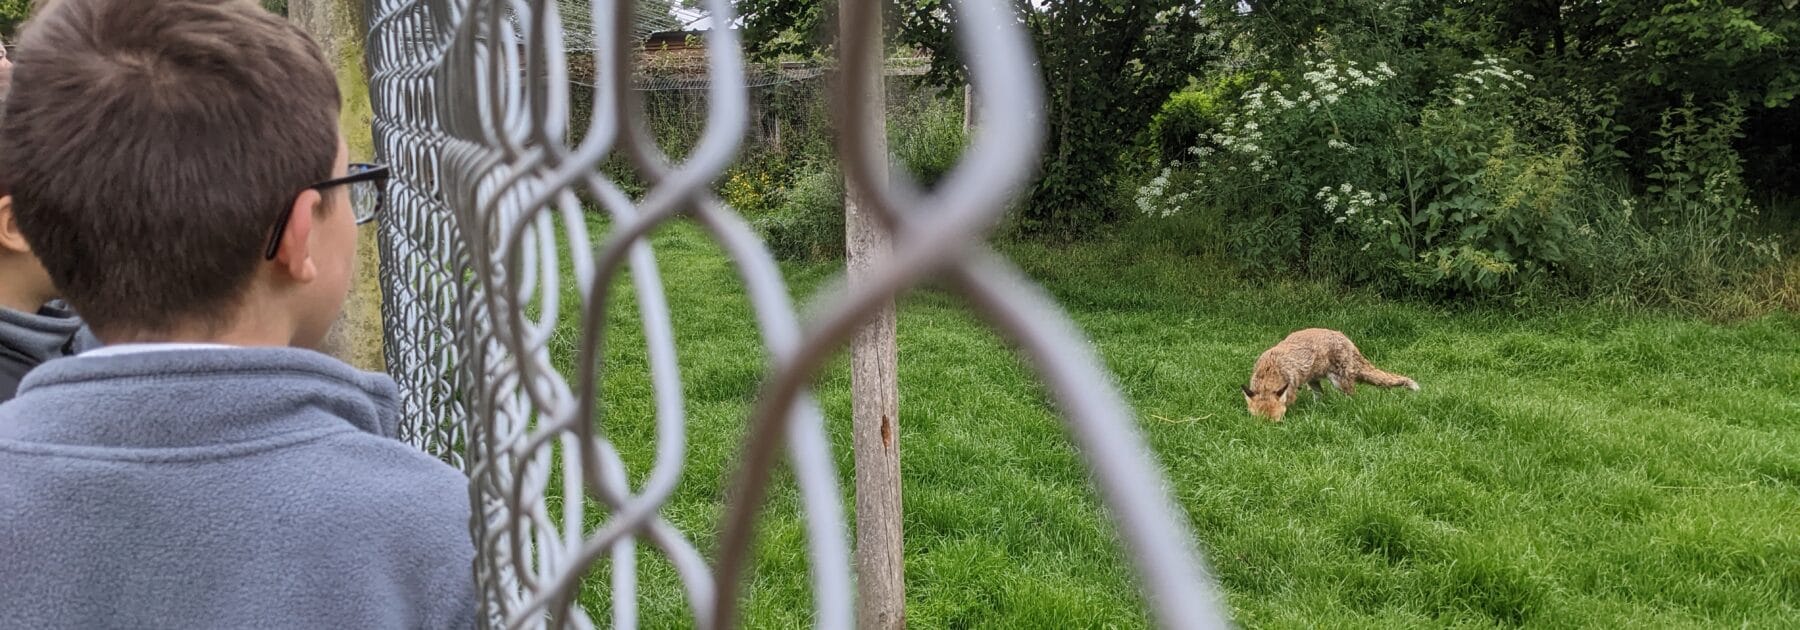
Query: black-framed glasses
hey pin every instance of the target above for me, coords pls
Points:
(368, 189)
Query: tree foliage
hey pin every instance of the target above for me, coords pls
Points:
(1647, 55)
(12, 14)
(1107, 66)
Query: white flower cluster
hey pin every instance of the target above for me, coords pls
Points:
(1332, 80)
(1327, 82)
(1360, 208)
(1153, 198)
(1244, 137)
(1489, 76)
(1240, 135)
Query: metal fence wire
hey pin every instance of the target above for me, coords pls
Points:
(486, 220)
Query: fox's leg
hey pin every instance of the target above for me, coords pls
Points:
(1316, 389)
(1343, 383)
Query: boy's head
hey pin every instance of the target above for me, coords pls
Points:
(152, 147)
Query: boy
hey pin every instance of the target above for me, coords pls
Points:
(176, 164)
(31, 331)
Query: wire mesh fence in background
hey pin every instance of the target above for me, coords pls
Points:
(487, 224)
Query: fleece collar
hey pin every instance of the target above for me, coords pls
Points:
(197, 398)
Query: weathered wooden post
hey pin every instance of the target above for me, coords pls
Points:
(874, 367)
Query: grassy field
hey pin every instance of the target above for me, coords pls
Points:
(1569, 467)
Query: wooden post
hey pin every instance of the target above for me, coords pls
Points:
(968, 109)
(875, 393)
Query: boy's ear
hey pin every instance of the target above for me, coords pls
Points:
(11, 239)
(294, 255)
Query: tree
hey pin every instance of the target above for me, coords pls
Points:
(1107, 65)
(1655, 55)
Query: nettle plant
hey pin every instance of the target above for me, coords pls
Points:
(1455, 196)
(1489, 206)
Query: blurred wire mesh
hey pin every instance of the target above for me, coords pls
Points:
(487, 225)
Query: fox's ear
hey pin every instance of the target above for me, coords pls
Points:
(1281, 392)
(1248, 393)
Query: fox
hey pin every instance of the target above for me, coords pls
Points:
(1305, 357)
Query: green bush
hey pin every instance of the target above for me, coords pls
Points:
(1274, 149)
(1486, 188)
(13, 13)
(1191, 116)
(808, 224)
(798, 205)
(1486, 208)
(928, 142)
(758, 183)
(1186, 120)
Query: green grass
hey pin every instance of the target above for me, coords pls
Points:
(1565, 467)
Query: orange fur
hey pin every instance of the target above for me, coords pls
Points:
(1306, 357)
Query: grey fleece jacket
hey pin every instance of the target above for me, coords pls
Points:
(224, 488)
(29, 339)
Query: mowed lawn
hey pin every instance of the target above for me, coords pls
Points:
(1567, 466)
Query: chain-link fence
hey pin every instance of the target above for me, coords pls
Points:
(487, 223)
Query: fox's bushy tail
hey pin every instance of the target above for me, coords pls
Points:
(1383, 378)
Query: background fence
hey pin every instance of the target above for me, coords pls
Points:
(487, 246)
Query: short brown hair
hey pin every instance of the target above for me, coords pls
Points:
(152, 144)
